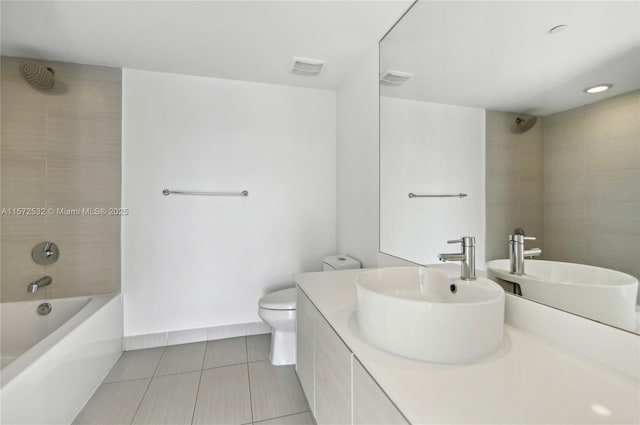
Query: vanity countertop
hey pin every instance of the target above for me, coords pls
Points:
(527, 381)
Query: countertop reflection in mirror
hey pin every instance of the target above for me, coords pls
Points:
(492, 100)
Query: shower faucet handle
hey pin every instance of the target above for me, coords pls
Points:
(47, 250)
(45, 253)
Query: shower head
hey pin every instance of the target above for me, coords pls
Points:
(38, 76)
(524, 124)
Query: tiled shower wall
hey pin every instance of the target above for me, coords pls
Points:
(573, 181)
(513, 183)
(60, 149)
(592, 184)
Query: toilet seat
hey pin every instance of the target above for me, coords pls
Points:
(284, 299)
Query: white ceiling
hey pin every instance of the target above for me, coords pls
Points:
(499, 55)
(240, 40)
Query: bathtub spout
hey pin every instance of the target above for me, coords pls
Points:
(43, 281)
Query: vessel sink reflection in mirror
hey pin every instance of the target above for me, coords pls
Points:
(607, 296)
(425, 314)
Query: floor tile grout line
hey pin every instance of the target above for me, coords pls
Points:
(147, 389)
(164, 350)
(177, 373)
(204, 356)
(154, 376)
(195, 402)
(246, 348)
(155, 373)
(126, 380)
(141, 400)
(201, 370)
(284, 416)
(227, 365)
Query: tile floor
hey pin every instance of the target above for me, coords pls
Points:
(229, 381)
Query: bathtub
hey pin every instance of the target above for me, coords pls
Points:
(52, 364)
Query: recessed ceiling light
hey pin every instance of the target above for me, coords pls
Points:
(557, 29)
(598, 89)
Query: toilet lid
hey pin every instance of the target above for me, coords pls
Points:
(284, 299)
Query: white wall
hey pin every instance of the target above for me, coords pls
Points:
(357, 161)
(429, 148)
(192, 262)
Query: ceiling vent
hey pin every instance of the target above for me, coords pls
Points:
(395, 78)
(308, 67)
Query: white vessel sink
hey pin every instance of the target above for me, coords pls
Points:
(422, 313)
(601, 294)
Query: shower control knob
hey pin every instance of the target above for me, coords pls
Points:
(45, 253)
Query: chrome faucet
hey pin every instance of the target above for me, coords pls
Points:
(467, 257)
(517, 253)
(43, 281)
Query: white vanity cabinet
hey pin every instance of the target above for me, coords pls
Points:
(332, 377)
(371, 406)
(306, 316)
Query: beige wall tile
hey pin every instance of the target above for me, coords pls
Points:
(18, 292)
(23, 182)
(612, 118)
(590, 214)
(565, 247)
(82, 91)
(61, 149)
(614, 217)
(514, 184)
(88, 73)
(23, 129)
(20, 235)
(81, 183)
(531, 159)
(564, 188)
(613, 153)
(84, 139)
(561, 157)
(561, 121)
(617, 251)
(89, 254)
(613, 185)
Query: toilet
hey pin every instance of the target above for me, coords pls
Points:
(278, 310)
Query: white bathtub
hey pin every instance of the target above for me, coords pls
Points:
(52, 364)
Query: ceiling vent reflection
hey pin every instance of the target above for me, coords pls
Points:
(395, 78)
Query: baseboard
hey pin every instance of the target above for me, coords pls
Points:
(161, 339)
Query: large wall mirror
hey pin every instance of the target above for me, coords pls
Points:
(514, 120)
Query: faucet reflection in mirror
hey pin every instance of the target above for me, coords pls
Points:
(517, 253)
(562, 163)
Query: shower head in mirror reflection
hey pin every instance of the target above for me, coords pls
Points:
(552, 175)
(523, 124)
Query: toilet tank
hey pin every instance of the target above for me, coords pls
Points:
(340, 262)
